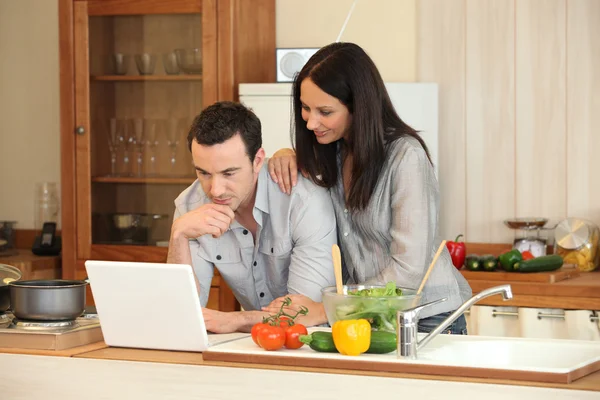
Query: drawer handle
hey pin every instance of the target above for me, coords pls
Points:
(546, 315)
(504, 313)
(594, 318)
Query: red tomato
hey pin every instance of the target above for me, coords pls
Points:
(292, 334)
(527, 255)
(255, 329)
(285, 323)
(271, 337)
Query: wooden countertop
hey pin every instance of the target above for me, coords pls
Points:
(580, 293)
(32, 266)
(57, 353)
(590, 382)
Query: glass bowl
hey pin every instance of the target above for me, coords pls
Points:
(379, 310)
(189, 60)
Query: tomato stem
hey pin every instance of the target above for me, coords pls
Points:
(276, 319)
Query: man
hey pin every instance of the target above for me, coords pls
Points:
(264, 243)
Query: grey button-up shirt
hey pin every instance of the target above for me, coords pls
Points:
(292, 253)
(396, 236)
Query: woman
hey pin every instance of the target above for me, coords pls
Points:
(350, 139)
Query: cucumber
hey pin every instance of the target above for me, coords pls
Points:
(382, 342)
(540, 264)
(319, 341)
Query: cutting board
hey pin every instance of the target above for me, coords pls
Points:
(583, 359)
(540, 277)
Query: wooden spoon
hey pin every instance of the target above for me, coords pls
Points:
(437, 254)
(337, 267)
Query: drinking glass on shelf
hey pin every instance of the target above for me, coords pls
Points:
(145, 63)
(113, 144)
(120, 63)
(170, 63)
(152, 127)
(139, 141)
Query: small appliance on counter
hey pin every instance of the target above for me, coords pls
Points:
(530, 234)
(577, 242)
(48, 243)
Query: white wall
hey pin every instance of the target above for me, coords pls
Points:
(386, 29)
(29, 104)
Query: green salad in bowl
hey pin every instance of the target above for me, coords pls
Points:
(376, 303)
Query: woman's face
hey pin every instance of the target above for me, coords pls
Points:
(325, 115)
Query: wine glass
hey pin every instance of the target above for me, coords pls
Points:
(126, 139)
(173, 133)
(139, 141)
(113, 144)
(152, 126)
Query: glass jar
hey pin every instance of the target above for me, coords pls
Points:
(47, 204)
(576, 240)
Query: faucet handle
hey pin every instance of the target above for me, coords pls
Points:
(412, 314)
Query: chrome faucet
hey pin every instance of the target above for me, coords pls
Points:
(407, 333)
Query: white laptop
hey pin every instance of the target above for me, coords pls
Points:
(148, 305)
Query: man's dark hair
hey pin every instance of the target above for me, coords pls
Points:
(221, 121)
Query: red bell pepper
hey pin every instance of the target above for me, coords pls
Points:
(458, 252)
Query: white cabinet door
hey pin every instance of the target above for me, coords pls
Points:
(496, 321)
(582, 325)
(543, 323)
(471, 317)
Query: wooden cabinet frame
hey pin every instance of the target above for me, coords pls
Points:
(239, 42)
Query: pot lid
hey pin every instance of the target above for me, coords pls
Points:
(8, 273)
(572, 233)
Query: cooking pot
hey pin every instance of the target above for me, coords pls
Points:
(48, 300)
(134, 227)
(8, 274)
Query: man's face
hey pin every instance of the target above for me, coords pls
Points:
(225, 171)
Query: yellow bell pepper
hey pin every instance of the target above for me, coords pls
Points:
(351, 337)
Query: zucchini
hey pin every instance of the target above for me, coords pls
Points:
(540, 264)
(489, 262)
(382, 342)
(319, 341)
(473, 262)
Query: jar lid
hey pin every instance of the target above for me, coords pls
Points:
(8, 273)
(571, 233)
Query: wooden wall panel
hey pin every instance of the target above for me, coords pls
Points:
(490, 121)
(528, 138)
(441, 59)
(541, 109)
(583, 109)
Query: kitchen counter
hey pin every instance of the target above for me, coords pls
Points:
(590, 382)
(32, 266)
(579, 293)
(103, 374)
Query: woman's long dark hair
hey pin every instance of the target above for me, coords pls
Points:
(346, 72)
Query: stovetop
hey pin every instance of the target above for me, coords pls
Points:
(10, 324)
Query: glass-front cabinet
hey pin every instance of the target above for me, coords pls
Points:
(142, 70)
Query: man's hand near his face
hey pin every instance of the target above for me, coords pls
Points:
(213, 219)
(208, 219)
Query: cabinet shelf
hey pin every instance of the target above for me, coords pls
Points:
(133, 78)
(147, 180)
